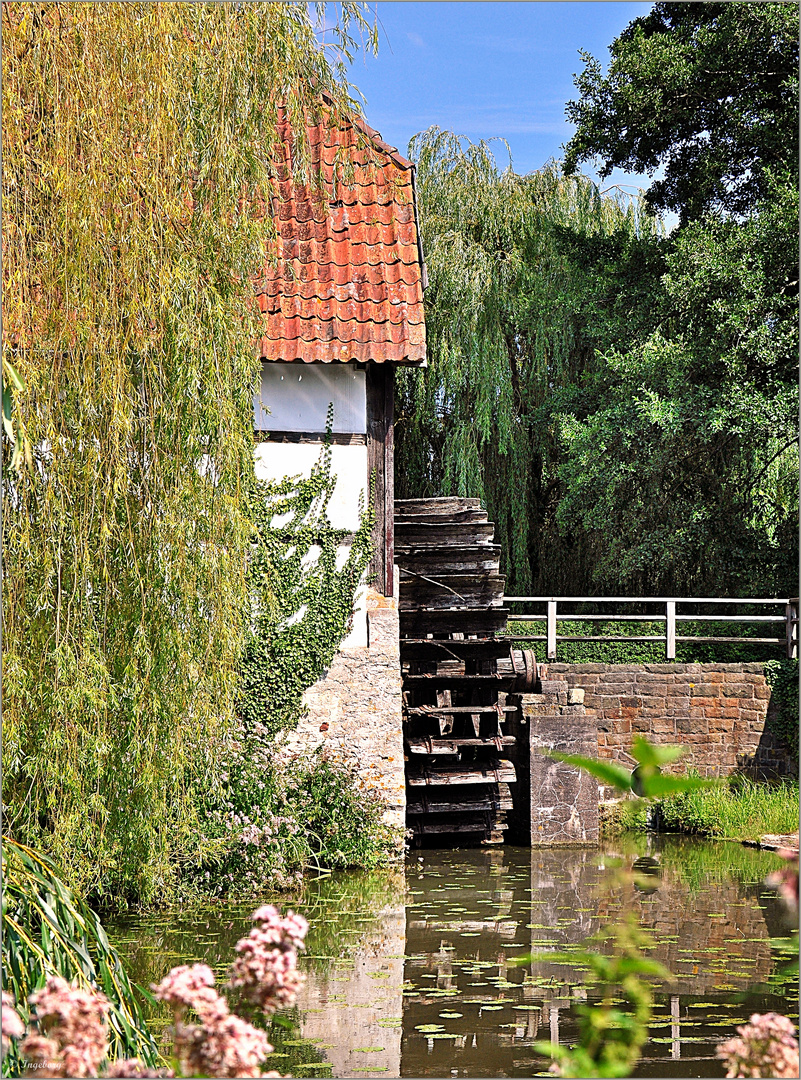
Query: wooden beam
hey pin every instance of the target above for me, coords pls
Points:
(381, 469)
(336, 438)
(424, 507)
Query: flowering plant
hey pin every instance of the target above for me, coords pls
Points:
(70, 1037)
(766, 1047)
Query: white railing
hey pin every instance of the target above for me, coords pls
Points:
(671, 617)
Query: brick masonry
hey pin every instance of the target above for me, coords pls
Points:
(354, 712)
(717, 712)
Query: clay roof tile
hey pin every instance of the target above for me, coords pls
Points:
(346, 279)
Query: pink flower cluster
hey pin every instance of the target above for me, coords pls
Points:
(71, 1039)
(11, 1025)
(72, 1035)
(266, 967)
(222, 1044)
(785, 881)
(766, 1047)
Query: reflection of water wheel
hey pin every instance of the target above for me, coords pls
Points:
(457, 675)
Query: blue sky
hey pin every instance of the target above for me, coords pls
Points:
(486, 70)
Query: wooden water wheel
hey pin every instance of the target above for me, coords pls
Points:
(458, 676)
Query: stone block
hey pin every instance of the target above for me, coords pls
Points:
(553, 686)
(665, 669)
(663, 725)
(696, 725)
(752, 716)
(383, 630)
(704, 690)
(575, 696)
(616, 689)
(737, 690)
(762, 693)
(677, 690)
(564, 799)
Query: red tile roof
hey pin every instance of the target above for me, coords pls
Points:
(349, 280)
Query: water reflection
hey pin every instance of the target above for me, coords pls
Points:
(446, 970)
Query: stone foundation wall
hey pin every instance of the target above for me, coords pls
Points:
(716, 711)
(564, 799)
(354, 711)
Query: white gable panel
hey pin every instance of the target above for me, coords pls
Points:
(295, 397)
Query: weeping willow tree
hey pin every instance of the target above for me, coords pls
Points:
(137, 141)
(507, 328)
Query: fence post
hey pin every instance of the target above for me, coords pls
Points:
(550, 650)
(791, 621)
(670, 630)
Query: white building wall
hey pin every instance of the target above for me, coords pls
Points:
(297, 397)
(354, 710)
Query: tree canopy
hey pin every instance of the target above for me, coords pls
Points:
(706, 91)
(505, 331)
(137, 142)
(624, 400)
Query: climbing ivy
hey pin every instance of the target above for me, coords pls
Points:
(782, 677)
(301, 593)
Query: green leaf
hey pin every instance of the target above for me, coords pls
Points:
(614, 775)
(651, 754)
(657, 785)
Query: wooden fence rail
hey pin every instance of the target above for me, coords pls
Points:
(671, 618)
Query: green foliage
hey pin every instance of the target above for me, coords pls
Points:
(739, 810)
(342, 822)
(610, 1038)
(647, 779)
(782, 677)
(273, 819)
(626, 402)
(131, 133)
(502, 334)
(708, 91)
(48, 931)
(301, 601)
(682, 449)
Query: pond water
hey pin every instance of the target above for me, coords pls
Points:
(442, 969)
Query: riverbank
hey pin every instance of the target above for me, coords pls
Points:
(738, 809)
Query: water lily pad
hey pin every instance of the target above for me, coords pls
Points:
(368, 1049)
(425, 1028)
(451, 1015)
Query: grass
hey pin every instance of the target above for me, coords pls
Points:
(740, 809)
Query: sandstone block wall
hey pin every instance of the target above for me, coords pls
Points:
(354, 711)
(716, 711)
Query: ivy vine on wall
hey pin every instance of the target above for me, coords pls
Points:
(301, 592)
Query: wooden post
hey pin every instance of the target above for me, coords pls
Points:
(381, 467)
(670, 630)
(551, 631)
(791, 623)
